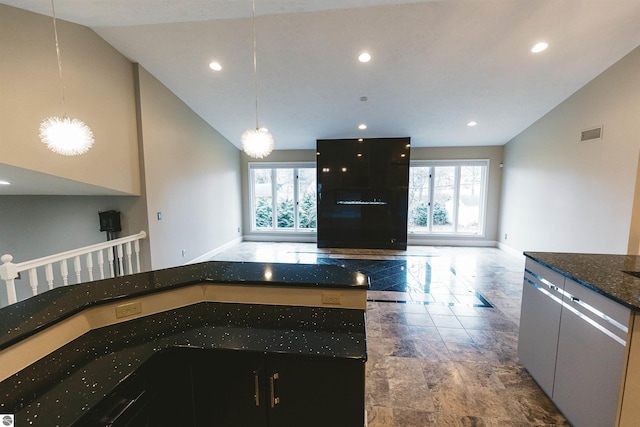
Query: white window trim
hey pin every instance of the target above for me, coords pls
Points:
(485, 186)
(274, 229)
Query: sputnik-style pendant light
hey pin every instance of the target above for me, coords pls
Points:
(69, 137)
(258, 142)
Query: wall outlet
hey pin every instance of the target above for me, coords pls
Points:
(130, 309)
(184, 253)
(505, 236)
(159, 216)
(331, 298)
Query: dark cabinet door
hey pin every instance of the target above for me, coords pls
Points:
(315, 392)
(229, 388)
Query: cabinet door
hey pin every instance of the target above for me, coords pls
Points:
(315, 392)
(590, 358)
(229, 388)
(540, 323)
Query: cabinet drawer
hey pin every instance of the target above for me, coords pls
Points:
(600, 312)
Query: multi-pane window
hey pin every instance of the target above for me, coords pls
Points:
(283, 196)
(447, 197)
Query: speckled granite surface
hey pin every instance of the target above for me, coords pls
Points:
(60, 388)
(25, 318)
(604, 274)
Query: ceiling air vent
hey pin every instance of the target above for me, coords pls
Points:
(591, 134)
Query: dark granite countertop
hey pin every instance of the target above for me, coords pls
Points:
(25, 318)
(604, 274)
(61, 387)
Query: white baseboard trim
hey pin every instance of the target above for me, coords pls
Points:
(511, 251)
(281, 237)
(426, 241)
(213, 252)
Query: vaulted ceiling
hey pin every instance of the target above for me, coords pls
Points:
(436, 65)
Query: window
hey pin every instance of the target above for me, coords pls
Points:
(283, 196)
(447, 197)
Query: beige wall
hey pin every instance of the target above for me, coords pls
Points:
(99, 90)
(560, 194)
(492, 153)
(149, 146)
(192, 176)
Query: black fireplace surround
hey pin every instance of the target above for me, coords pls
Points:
(363, 187)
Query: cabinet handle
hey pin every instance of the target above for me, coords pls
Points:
(256, 396)
(274, 400)
(574, 299)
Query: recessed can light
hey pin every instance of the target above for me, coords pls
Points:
(364, 57)
(362, 126)
(539, 47)
(472, 123)
(215, 66)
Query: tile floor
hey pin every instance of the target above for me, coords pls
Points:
(442, 363)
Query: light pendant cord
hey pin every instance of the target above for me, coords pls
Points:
(255, 56)
(55, 32)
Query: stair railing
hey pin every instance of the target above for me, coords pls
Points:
(119, 254)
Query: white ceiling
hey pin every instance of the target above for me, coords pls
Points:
(436, 64)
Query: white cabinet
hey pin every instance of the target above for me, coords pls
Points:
(590, 359)
(582, 373)
(540, 323)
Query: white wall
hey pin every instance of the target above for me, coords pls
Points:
(192, 176)
(563, 195)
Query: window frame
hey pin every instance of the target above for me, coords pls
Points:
(482, 211)
(252, 166)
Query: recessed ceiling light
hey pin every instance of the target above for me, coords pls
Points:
(215, 66)
(362, 126)
(539, 47)
(364, 57)
(472, 123)
(360, 139)
(4, 182)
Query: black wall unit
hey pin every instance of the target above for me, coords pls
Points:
(363, 189)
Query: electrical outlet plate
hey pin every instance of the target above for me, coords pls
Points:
(130, 309)
(332, 298)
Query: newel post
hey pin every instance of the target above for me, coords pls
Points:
(8, 272)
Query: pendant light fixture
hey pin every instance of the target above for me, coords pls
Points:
(62, 135)
(258, 142)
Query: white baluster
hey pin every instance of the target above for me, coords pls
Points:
(120, 263)
(136, 249)
(77, 267)
(8, 273)
(110, 257)
(90, 266)
(33, 280)
(127, 248)
(64, 271)
(101, 263)
(48, 274)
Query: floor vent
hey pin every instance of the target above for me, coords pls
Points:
(591, 134)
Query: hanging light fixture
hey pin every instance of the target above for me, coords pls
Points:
(258, 142)
(62, 135)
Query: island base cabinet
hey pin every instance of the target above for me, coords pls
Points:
(235, 388)
(588, 373)
(316, 393)
(539, 323)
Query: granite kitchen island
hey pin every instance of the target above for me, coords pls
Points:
(580, 334)
(220, 343)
